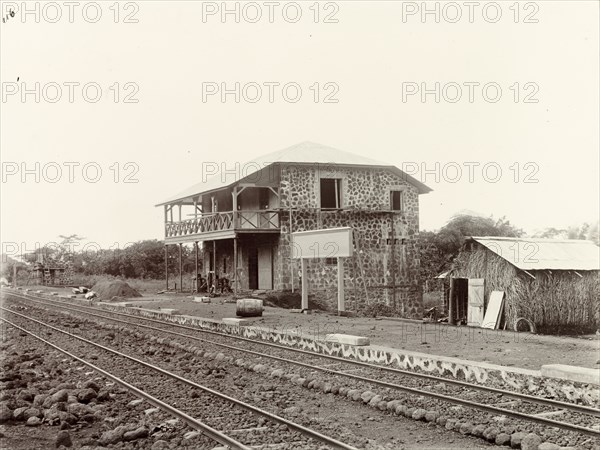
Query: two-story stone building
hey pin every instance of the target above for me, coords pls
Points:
(244, 217)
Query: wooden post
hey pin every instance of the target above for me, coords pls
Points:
(196, 274)
(180, 268)
(304, 284)
(234, 196)
(340, 275)
(215, 265)
(393, 241)
(167, 266)
(451, 311)
(235, 265)
(291, 247)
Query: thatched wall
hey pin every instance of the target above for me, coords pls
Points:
(555, 301)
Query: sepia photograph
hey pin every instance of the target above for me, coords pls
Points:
(289, 225)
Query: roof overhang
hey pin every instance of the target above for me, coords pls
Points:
(186, 197)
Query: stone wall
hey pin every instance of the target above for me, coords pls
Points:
(365, 196)
(378, 263)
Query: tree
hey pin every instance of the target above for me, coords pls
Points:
(438, 249)
(7, 267)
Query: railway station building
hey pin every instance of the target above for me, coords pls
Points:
(240, 226)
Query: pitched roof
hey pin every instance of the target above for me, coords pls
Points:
(303, 153)
(544, 254)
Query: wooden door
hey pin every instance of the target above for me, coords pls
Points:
(252, 268)
(265, 268)
(475, 309)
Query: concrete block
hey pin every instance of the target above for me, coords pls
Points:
(170, 311)
(347, 339)
(236, 321)
(202, 299)
(571, 373)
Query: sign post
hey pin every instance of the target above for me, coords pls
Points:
(304, 284)
(327, 243)
(340, 267)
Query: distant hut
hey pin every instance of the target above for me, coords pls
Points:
(52, 273)
(553, 285)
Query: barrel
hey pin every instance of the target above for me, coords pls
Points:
(249, 307)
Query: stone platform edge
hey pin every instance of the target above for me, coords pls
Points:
(532, 382)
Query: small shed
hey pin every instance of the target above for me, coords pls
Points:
(553, 284)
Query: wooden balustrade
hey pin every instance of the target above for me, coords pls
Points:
(223, 221)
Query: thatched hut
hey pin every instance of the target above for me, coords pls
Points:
(551, 284)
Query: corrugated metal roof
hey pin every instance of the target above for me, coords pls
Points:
(544, 254)
(303, 153)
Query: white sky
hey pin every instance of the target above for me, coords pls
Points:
(368, 54)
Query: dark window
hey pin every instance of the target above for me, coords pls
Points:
(330, 193)
(224, 264)
(331, 261)
(396, 200)
(263, 198)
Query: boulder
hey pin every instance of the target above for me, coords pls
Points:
(516, 438)
(38, 400)
(503, 439)
(34, 422)
(19, 413)
(60, 396)
(90, 384)
(63, 438)
(25, 395)
(531, 442)
(138, 433)
(32, 412)
(375, 401)
(86, 395)
(548, 446)
(112, 436)
(6, 413)
(419, 414)
(367, 396)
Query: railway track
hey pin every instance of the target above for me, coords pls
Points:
(522, 407)
(288, 434)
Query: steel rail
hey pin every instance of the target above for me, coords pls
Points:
(292, 425)
(582, 409)
(442, 397)
(194, 423)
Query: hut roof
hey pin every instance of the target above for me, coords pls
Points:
(303, 153)
(544, 254)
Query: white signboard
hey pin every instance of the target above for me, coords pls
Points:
(328, 243)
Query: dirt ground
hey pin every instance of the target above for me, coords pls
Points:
(507, 348)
